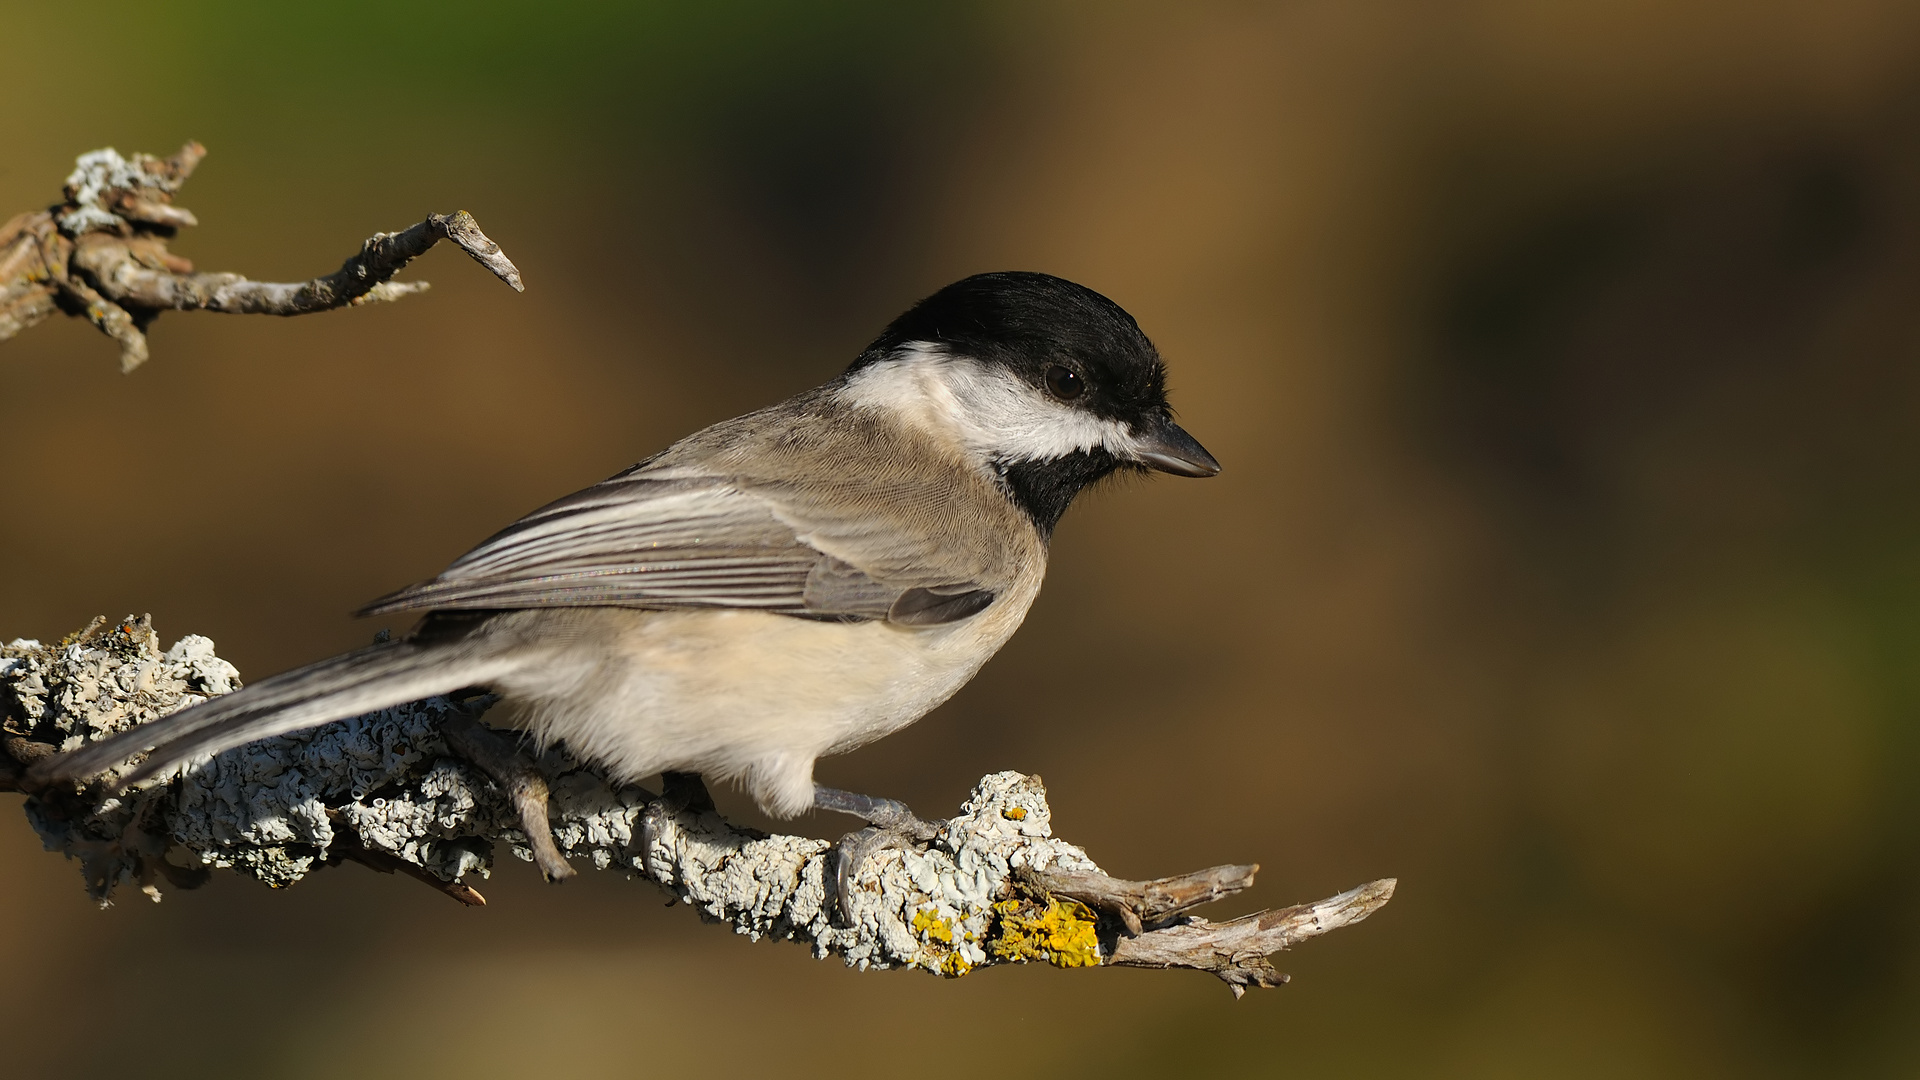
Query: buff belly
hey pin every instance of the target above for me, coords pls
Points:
(743, 696)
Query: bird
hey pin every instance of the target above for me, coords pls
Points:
(790, 584)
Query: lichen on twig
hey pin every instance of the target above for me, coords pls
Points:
(102, 253)
(391, 791)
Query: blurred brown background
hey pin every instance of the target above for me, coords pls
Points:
(1566, 564)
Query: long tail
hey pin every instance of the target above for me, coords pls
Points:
(391, 673)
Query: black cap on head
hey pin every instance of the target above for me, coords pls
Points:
(1076, 346)
(1029, 322)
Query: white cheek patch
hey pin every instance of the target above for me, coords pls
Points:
(989, 411)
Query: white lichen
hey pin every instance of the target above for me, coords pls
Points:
(97, 177)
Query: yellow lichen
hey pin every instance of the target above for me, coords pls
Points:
(1062, 934)
(1014, 813)
(938, 934)
(932, 927)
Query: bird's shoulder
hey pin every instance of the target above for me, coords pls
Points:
(859, 485)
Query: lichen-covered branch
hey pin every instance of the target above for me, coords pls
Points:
(101, 253)
(390, 790)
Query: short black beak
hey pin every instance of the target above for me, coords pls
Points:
(1165, 446)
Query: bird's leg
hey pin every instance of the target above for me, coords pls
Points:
(890, 825)
(685, 791)
(499, 758)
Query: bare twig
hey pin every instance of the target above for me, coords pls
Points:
(102, 254)
(350, 849)
(1237, 951)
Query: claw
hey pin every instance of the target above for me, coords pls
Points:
(649, 832)
(526, 788)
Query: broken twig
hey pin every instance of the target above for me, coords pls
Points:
(101, 253)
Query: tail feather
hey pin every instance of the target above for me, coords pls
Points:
(384, 675)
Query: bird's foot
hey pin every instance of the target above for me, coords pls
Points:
(890, 825)
(498, 757)
(678, 791)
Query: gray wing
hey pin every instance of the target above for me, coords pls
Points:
(671, 540)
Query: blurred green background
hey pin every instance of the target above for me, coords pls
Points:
(1565, 364)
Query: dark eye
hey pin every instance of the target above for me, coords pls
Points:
(1064, 384)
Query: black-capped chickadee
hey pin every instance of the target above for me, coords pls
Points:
(796, 582)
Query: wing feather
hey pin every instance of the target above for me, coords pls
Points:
(655, 540)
